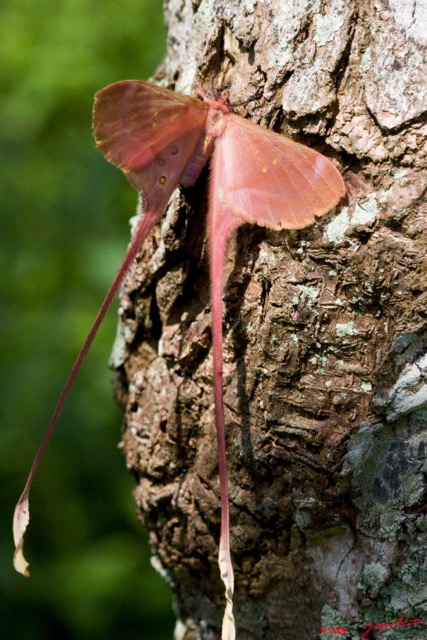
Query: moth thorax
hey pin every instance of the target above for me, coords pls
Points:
(215, 122)
(214, 126)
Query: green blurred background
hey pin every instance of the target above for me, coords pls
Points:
(64, 231)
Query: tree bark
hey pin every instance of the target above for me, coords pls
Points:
(325, 335)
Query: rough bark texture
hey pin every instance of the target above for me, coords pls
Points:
(325, 335)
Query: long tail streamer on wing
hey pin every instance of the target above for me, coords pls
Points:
(219, 235)
(21, 516)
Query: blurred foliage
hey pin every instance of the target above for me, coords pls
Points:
(63, 233)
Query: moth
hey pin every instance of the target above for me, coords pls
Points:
(161, 139)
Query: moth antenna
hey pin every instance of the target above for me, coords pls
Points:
(253, 97)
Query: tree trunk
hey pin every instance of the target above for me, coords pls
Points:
(325, 336)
